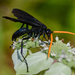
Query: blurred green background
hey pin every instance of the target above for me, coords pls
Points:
(57, 15)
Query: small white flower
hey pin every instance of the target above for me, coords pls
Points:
(61, 56)
(14, 43)
(13, 47)
(73, 49)
(49, 41)
(59, 59)
(73, 52)
(24, 43)
(68, 44)
(43, 45)
(19, 40)
(40, 41)
(29, 39)
(65, 56)
(68, 59)
(42, 49)
(45, 48)
(53, 54)
(57, 38)
(70, 50)
(45, 41)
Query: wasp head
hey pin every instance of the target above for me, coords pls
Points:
(48, 32)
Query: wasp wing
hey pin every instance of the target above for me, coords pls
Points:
(21, 15)
(22, 21)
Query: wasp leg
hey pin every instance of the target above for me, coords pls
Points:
(27, 26)
(44, 37)
(23, 56)
(22, 25)
(22, 52)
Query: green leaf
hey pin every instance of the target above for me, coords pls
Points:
(36, 63)
(58, 69)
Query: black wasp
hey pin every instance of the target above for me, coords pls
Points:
(37, 28)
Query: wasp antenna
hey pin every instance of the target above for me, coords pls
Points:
(64, 32)
(50, 45)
